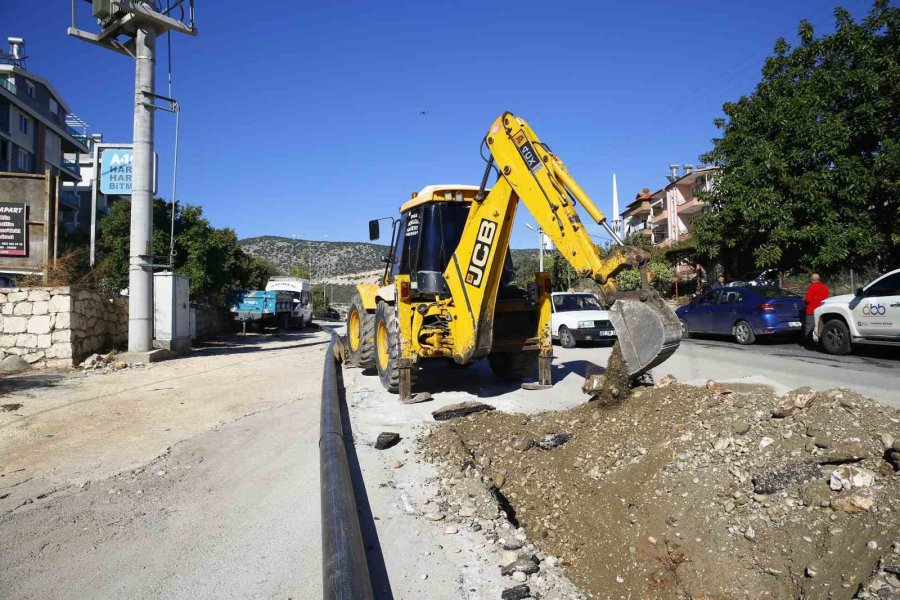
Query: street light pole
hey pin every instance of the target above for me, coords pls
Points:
(540, 233)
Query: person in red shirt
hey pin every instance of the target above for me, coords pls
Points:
(815, 294)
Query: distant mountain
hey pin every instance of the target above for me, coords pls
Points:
(339, 262)
(329, 259)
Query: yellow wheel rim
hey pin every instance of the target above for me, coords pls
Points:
(353, 330)
(381, 346)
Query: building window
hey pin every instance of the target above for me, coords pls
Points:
(24, 161)
(54, 107)
(23, 124)
(29, 89)
(9, 82)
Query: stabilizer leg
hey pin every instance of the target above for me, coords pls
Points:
(405, 384)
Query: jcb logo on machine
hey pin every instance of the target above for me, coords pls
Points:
(527, 151)
(481, 252)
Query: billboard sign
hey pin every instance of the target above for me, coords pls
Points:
(115, 171)
(13, 229)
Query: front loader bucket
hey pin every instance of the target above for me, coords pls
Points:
(648, 332)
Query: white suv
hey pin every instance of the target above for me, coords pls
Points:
(871, 316)
(579, 317)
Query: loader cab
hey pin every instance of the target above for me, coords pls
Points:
(426, 235)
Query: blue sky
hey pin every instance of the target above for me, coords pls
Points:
(306, 120)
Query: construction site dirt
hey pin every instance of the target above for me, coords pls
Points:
(723, 491)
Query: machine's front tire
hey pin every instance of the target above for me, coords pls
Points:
(387, 348)
(513, 366)
(360, 334)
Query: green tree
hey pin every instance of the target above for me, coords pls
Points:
(811, 159)
(301, 267)
(562, 275)
(210, 257)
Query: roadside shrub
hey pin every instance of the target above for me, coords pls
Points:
(628, 280)
(661, 278)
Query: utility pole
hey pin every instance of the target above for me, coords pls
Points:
(140, 24)
(140, 273)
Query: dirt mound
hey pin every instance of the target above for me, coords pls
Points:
(698, 492)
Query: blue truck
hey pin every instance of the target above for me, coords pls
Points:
(285, 303)
(260, 307)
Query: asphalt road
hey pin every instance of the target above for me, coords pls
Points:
(872, 371)
(230, 513)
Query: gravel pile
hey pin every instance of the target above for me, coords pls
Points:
(683, 491)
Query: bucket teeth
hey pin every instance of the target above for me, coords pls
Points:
(648, 331)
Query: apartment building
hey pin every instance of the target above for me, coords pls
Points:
(667, 215)
(636, 216)
(37, 132)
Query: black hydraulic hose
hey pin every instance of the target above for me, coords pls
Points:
(345, 573)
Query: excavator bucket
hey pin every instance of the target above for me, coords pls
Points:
(649, 332)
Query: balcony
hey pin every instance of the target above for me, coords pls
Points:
(638, 210)
(78, 135)
(9, 85)
(70, 167)
(660, 217)
(692, 206)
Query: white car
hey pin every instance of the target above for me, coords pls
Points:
(578, 317)
(870, 316)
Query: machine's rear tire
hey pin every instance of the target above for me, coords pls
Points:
(387, 348)
(360, 334)
(513, 366)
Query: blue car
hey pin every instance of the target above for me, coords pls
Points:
(743, 312)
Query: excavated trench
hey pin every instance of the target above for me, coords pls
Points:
(655, 496)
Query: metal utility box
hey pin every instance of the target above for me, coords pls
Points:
(171, 312)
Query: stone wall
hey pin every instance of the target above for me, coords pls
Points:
(58, 327)
(212, 321)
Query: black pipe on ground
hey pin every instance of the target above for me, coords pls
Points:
(345, 573)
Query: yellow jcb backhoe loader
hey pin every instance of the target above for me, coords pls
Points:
(447, 289)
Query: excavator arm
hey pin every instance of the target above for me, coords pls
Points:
(529, 172)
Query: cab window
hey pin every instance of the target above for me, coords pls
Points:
(397, 253)
(886, 286)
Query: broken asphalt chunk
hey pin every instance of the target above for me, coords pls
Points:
(526, 565)
(518, 592)
(553, 440)
(386, 439)
(779, 478)
(462, 409)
